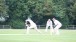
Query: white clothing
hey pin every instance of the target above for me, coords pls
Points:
(57, 26)
(32, 25)
(49, 24)
(57, 23)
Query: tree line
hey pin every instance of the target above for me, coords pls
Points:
(14, 12)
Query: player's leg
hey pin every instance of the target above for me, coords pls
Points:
(56, 30)
(46, 28)
(27, 31)
(51, 30)
(36, 29)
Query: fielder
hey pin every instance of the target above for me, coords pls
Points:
(30, 24)
(49, 24)
(57, 26)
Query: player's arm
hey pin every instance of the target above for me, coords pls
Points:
(26, 23)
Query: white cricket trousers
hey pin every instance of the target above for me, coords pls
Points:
(56, 29)
(35, 27)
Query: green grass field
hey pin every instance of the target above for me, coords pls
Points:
(19, 35)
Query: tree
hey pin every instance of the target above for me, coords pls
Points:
(3, 10)
(70, 10)
(40, 11)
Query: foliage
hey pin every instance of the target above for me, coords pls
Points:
(38, 10)
(3, 10)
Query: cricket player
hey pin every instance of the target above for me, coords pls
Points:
(57, 26)
(49, 24)
(30, 24)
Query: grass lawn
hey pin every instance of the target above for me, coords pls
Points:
(19, 35)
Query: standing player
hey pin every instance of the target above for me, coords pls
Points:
(57, 26)
(49, 24)
(30, 24)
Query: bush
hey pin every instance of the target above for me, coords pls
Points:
(17, 24)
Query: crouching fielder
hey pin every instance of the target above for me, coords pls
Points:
(30, 24)
(49, 24)
(57, 26)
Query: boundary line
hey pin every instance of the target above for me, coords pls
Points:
(23, 34)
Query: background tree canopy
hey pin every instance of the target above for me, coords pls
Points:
(16, 11)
